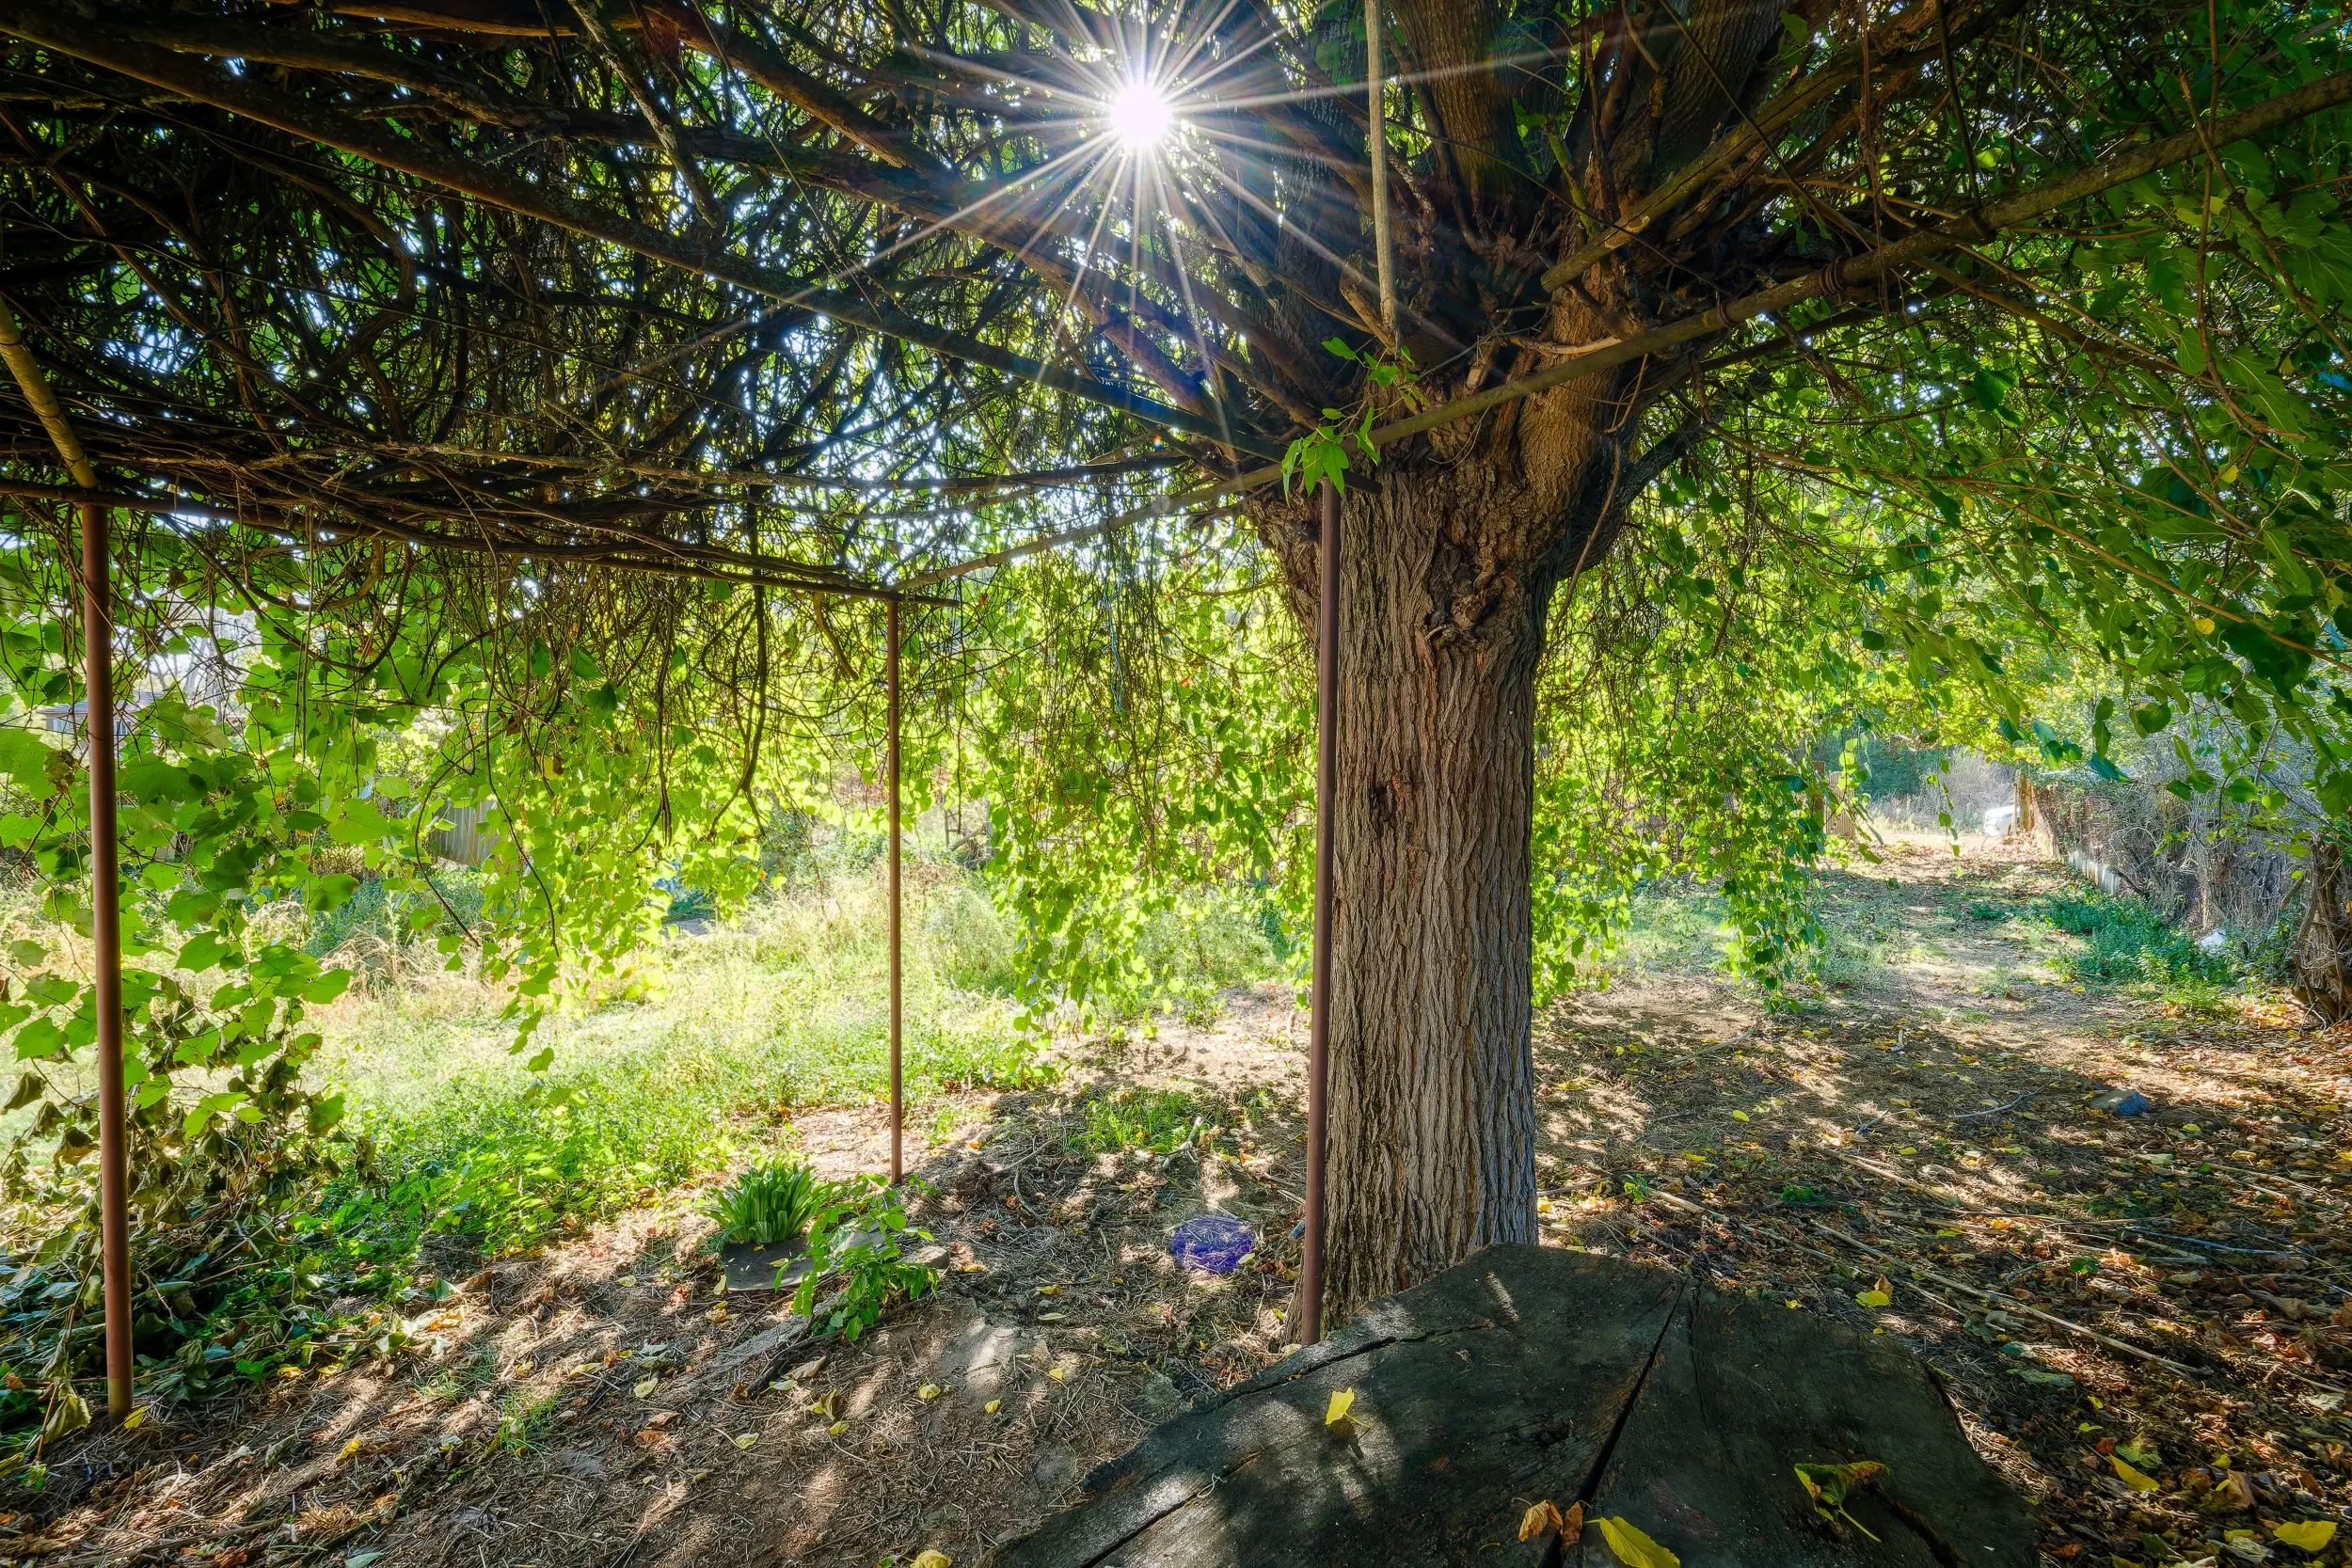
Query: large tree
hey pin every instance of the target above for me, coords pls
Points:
(1993, 291)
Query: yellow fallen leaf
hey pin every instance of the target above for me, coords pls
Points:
(1056, 1374)
(1342, 1401)
(719, 1314)
(1634, 1548)
(836, 1429)
(2130, 1476)
(931, 1559)
(522, 1368)
(1536, 1520)
(992, 1406)
(745, 1439)
(349, 1450)
(1739, 1115)
(1874, 1298)
(929, 1391)
(1049, 1289)
(1794, 1302)
(645, 1386)
(2306, 1535)
(135, 1420)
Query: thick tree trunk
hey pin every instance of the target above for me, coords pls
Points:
(1450, 556)
(1432, 1109)
(1432, 1117)
(2322, 953)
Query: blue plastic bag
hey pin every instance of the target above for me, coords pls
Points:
(1213, 1244)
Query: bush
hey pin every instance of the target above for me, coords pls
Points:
(967, 939)
(2126, 940)
(377, 921)
(854, 1250)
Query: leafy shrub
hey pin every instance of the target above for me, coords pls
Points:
(854, 1249)
(1985, 908)
(1158, 1121)
(2126, 940)
(772, 1203)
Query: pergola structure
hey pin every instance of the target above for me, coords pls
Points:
(92, 500)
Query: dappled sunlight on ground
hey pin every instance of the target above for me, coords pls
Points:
(1919, 1123)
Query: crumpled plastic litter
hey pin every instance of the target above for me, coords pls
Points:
(1213, 1244)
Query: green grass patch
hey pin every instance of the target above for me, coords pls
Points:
(784, 1009)
(1159, 1120)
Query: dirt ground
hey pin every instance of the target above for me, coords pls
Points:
(2143, 1318)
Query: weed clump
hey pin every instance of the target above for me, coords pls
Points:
(2126, 940)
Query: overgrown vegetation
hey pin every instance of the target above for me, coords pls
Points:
(2127, 939)
(449, 1148)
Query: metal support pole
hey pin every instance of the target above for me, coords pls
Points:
(1379, 149)
(1319, 985)
(897, 1086)
(113, 1194)
(98, 671)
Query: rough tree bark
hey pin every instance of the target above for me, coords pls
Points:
(2321, 954)
(1450, 566)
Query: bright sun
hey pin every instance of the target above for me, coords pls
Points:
(1140, 115)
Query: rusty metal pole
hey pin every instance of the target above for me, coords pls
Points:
(898, 1083)
(1378, 113)
(1319, 984)
(98, 668)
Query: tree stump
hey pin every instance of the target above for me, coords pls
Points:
(1530, 1374)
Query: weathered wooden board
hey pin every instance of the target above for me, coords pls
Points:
(1526, 1374)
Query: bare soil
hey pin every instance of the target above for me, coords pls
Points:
(2169, 1289)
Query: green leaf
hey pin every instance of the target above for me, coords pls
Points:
(1634, 1548)
(25, 760)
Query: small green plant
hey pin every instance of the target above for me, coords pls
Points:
(1985, 908)
(854, 1249)
(522, 1423)
(772, 1203)
(1160, 1121)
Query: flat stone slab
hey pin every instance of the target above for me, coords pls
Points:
(750, 1267)
(1530, 1374)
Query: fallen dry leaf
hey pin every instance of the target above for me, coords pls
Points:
(1634, 1548)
